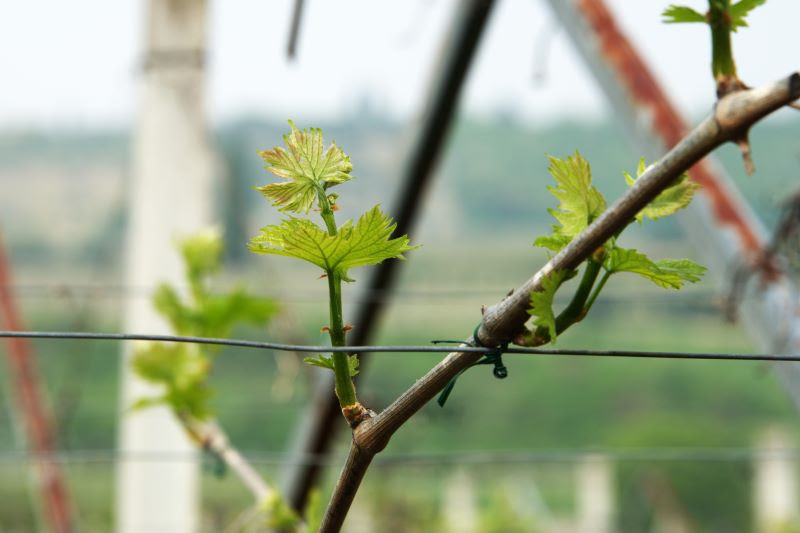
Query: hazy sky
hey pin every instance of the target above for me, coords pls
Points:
(75, 63)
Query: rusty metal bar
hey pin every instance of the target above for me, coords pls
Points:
(724, 229)
(40, 431)
(319, 424)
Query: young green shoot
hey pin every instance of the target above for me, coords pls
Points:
(579, 204)
(309, 171)
(182, 369)
(724, 18)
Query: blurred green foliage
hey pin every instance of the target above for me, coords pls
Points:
(182, 368)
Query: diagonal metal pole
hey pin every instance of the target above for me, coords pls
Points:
(40, 429)
(319, 424)
(723, 227)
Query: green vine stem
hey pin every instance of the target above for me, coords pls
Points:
(352, 410)
(345, 390)
(597, 290)
(723, 66)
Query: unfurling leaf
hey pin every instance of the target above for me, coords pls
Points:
(542, 302)
(308, 168)
(579, 201)
(202, 253)
(667, 273)
(554, 242)
(352, 364)
(369, 242)
(670, 200)
(324, 361)
(676, 14)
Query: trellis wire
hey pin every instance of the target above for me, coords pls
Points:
(471, 457)
(453, 347)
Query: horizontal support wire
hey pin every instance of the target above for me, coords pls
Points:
(78, 335)
(470, 457)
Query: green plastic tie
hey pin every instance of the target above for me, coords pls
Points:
(495, 357)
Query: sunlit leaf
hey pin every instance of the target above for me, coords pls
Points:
(670, 200)
(369, 242)
(579, 201)
(307, 167)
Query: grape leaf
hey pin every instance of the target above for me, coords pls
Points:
(670, 200)
(740, 10)
(307, 167)
(667, 273)
(542, 302)
(369, 242)
(579, 201)
(676, 14)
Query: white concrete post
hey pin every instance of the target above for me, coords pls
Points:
(170, 197)
(594, 478)
(460, 515)
(775, 485)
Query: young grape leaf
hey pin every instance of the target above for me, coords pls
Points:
(676, 14)
(212, 315)
(307, 167)
(182, 371)
(325, 361)
(667, 273)
(555, 242)
(579, 201)
(202, 253)
(369, 242)
(542, 302)
(739, 11)
(322, 361)
(670, 200)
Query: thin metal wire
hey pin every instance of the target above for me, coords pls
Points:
(395, 349)
(474, 457)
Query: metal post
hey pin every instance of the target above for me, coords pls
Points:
(170, 197)
(595, 494)
(775, 483)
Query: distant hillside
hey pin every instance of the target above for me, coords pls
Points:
(65, 193)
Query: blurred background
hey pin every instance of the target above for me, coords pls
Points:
(645, 445)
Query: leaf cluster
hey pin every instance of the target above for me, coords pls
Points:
(579, 204)
(182, 369)
(310, 170)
